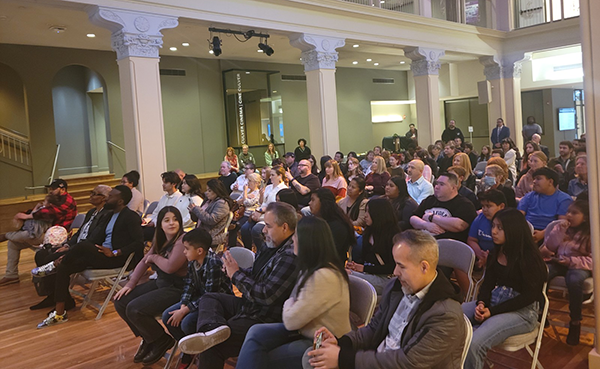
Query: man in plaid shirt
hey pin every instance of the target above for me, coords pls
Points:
(58, 215)
(225, 319)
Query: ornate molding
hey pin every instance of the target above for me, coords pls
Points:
(318, 52)
(133, 33)
(496, 67)
(425, 61)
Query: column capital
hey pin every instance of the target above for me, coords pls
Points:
(318, 52)
(133, 33)
(425, 61)
(497, 67)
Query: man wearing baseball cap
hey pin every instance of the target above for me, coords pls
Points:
(292, 164)
(60, 215)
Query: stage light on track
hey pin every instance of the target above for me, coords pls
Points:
(266, 48)
(216, 46)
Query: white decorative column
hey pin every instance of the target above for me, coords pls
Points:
(590, 45)
(137, 39)
(319, 58)
(504, 75)
(425, 67)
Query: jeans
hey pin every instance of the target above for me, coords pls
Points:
(187, 325)
(18, 241)
(272, 346)
(143, 303)
(357, 250)
(221, 309)
(233, 233)
(252, 233)
(574, 279)
(497, 328)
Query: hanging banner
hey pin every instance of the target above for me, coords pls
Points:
(240, 109)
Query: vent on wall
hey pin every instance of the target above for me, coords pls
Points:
(172, 72)
(293, 77)
(387, 81)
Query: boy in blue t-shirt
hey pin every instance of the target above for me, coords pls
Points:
(480, 233)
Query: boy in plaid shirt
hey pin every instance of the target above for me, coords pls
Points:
(205, 274)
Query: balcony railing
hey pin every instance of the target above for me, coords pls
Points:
(533, 12)
(14, 149)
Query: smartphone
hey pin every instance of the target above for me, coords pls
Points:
(318, 341)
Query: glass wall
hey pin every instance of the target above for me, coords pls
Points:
(532, 12)
(254, 111)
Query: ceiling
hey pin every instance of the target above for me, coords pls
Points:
(31, 22)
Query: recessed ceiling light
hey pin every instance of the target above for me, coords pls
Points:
(259, 51)
(173, 48)
(186, 44)
(58, 29)
(355, 45)
(354, 62)
(375, 64)
(369, 59)
(211, 52)
(247, 72)
(402, 62)
(382, 2)
(91, 35)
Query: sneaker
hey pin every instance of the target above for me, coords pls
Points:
(200, 342)
(44, 270)
(53, 319)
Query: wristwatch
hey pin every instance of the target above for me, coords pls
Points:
(115, 253)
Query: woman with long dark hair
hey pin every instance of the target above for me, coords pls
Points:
(139, 305)
(212, 215)
(192, 194)
(322, 204)
(375, 250)
(507, 303)
(320, 298)
(355, 202)
(569, 243)
(404, 206)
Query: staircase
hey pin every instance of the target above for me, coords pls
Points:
(79, 187)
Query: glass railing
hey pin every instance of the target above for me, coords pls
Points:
(533, 12)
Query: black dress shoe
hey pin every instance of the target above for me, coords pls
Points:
(159, 348)
(142, 351)
(574, 333)
(45, 303)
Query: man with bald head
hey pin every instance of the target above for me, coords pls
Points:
(304, 183)
(418, 187)
(538, 140)
(419, 321)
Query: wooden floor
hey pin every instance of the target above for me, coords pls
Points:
(83, 342)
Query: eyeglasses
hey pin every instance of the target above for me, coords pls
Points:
(302, 165)
(95, 194)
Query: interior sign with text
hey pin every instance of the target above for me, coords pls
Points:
(240, 109)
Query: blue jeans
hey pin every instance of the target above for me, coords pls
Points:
(252, 233)
(357, 250)
(497, 328)
(272, 346)
(187, 325)
(574, 279)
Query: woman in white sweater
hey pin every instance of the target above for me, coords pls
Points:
(320, 298)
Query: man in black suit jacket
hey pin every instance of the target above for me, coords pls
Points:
(499, 133)
(94, 216)
(108, 247)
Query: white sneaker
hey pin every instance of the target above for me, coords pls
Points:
(53, 319)
(200, 342)
(44, 270)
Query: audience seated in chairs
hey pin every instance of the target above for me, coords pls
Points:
(61, 215)
(404, 205)
(378, 177)
(212, 215)
(537, 160)
(418, 187)
(170, 182)
(334, 179)
(303, 184)
(227, 176)
(568, 247)
(462, 160)
(372, 257)
(108, 247)
(225, 319)
(354, 169)
(132, 180)
(204, 274)
(419, 322)
(466, 192)
(320, 298)
(495, 178)
(322, 204)
(480, 232)
(44, 255)
(139, 305)
(355, 202)
(249, 202)
(241, 181)
(507, 303)
(191, 188)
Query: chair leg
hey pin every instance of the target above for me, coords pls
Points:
(88, 297)
(108, 298)
(170, 358)
(534, 355)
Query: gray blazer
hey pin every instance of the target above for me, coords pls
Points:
(213, 218)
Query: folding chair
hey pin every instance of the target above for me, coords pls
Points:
(559, 284)
(108, 277)
(520, 341)
(77, 223)
(458, 255)
(222, 247)
(468, 338)
(363, 299)
(243, 256)
(150, 208)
